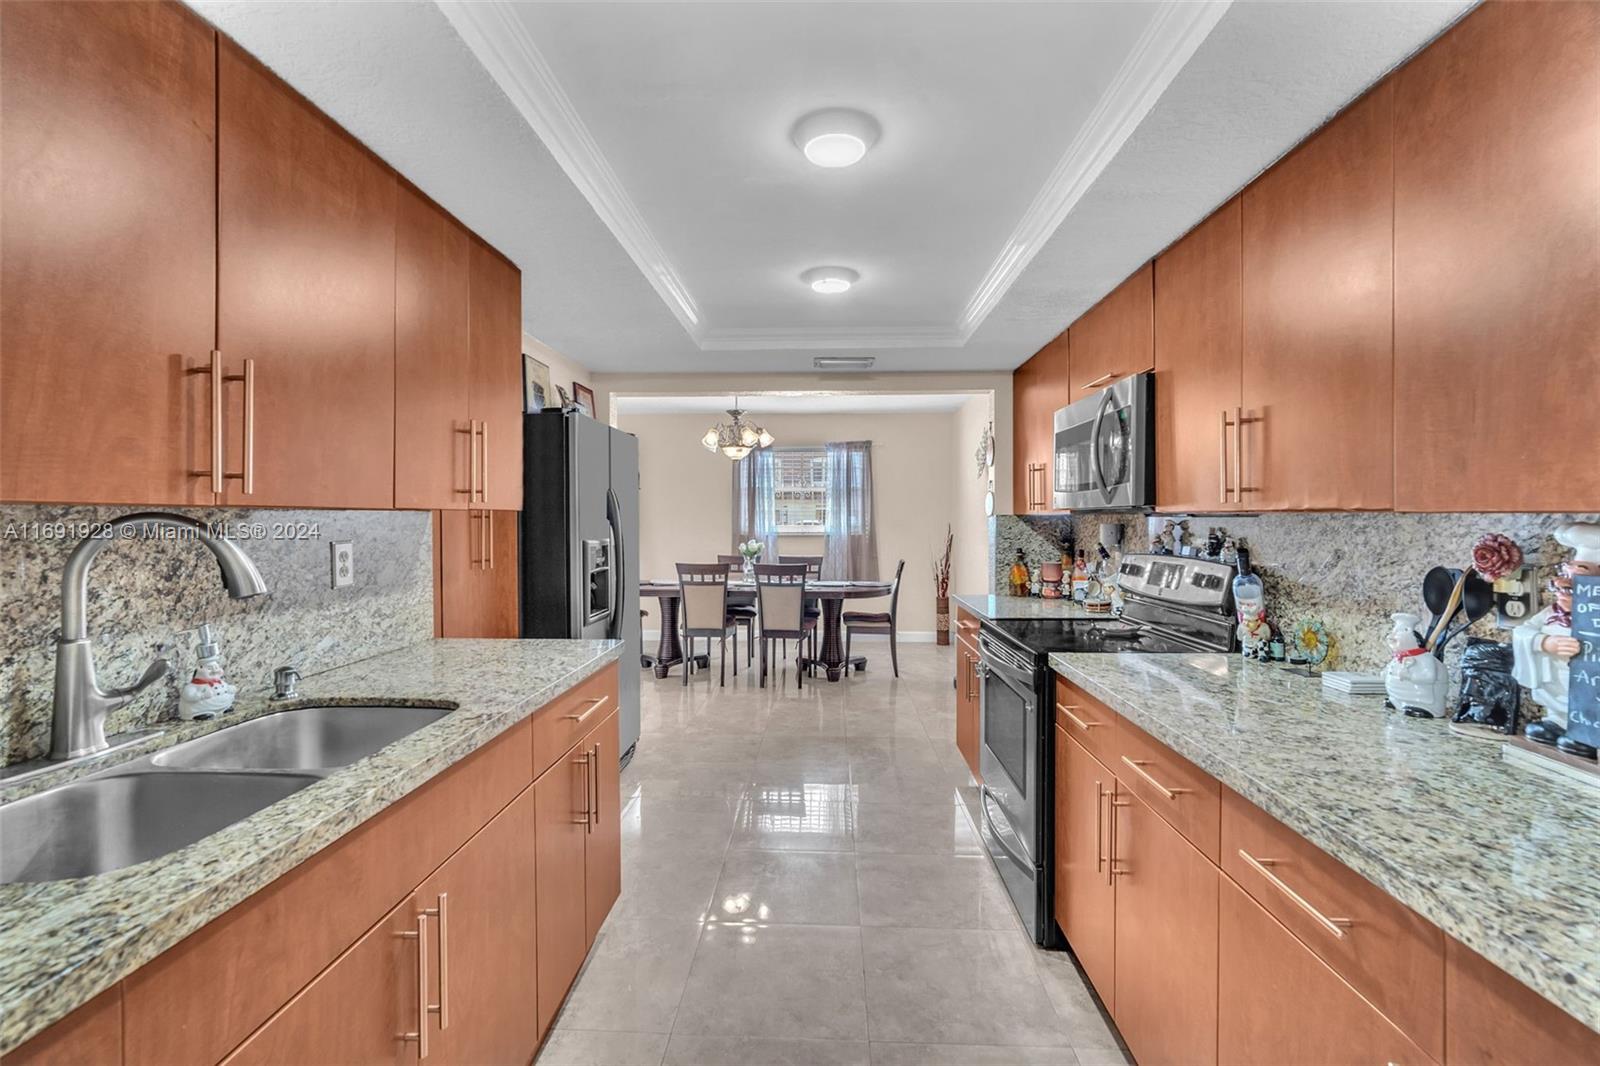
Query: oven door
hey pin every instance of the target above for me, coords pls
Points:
(1103, 448)
(1008, 756)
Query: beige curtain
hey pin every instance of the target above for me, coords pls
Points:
(851, 549)
(754, 517)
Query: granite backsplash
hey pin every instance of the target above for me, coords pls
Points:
(1350, 570)
(145, 593)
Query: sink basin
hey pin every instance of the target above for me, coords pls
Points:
(308, 738)
(106, 823)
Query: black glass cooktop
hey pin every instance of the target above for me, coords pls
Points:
(1045, 635)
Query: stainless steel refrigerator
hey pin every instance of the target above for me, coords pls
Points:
(579, 541)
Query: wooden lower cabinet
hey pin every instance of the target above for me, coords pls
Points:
(602, 851)
(1085, 896)
(1279, 1005)
(1166, 938)
(90, 1034)
(561, 800)
(364, 1009)
(483, 975)
(1492, 1019)
(967, 703)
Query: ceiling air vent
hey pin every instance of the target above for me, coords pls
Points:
(843, 362)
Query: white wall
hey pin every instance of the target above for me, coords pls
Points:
(972, 568)
(563, 371)
(686, 498)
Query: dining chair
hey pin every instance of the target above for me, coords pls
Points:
(703, 592)
(781, 591)
(813, 565)
(878, 621)
(743, 613)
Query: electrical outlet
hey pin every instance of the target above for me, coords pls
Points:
(342, 563)
(1515, 598)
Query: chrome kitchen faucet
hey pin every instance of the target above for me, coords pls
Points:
(81, 705)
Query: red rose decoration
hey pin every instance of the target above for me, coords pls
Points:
(1496, 555)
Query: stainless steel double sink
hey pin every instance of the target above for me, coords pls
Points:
(160, 803)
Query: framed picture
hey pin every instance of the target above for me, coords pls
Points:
(535, 384)
(583, 396)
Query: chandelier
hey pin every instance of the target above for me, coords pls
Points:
(738, 438)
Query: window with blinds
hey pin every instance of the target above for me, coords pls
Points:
(799, 489)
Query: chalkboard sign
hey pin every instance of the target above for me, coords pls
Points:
(1583, 692)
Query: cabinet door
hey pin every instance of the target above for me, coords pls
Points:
(89, 1036)
(432, 441)
(1115, 337)
(603, 849)
(108, 252)
(1166, 938)
(1279, 1005)
(1199, 336)
(360, 1009)
(1039, 388)
(1024, 435)
(486, 936)
(1318, 307)
(477, 591)
(561, 802)
(496, 400)
(967, 703)
(1497, 262)
(1085, 903)
(305, 288)
(1492, 1019)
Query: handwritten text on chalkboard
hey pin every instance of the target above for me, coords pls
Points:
(1583, 693)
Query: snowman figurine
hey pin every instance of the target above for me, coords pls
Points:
(1414, 680)
(1543, 646)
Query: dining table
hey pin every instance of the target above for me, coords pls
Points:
(832, 594)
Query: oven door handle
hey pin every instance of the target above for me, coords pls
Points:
(1023, 861)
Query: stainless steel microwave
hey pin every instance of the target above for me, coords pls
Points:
(1104, 455)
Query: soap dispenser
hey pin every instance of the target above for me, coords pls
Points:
(206, 694)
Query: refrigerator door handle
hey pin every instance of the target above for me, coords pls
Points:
(619, 567)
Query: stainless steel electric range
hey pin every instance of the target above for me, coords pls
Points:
(1171, 604)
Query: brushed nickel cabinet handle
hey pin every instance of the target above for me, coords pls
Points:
(1138, 767)
(1075, 720)
(1335, 926)
(1240, 420)
(488, 525)
(483, 465)
(424, 1008)
(1101, 380)
(966, 625)
(1117, 802)
(1222, 464)
(214, 368)
(442, 912)
(594, 781)
(594, 705)
(475, 472)
(1099, 827)
(247, 472)
(583, 761)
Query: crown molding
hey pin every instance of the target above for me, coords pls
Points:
(1177, 29)
(493, 33)
(830, 338)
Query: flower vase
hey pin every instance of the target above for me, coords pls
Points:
(749, 566)
(941, 632)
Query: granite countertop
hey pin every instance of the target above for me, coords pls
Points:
(63, 942)
(1498, 857)
(1001, 607)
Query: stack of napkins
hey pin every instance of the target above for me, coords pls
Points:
(1353, 684)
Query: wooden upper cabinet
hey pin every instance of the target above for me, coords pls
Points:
(1492, 1019)
(1198, 352)
(108, 252)
(477, 593)
(432, 367)
(1497, 263)
(1115, 337)
(496, 391)
(1085, 898)
(484, 971)
(1166, 938)
(1278, 1003)
(1318, 303)
(306, 289)
(1039, 388)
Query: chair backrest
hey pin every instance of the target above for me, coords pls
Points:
(732, 562)
(781, 588)
(704, 589)
(812, 563)
(894, 594)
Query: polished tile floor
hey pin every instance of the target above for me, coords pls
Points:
(802, 883)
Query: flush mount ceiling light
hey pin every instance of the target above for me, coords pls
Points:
(835, 136)
(830, 281)
(738, 438)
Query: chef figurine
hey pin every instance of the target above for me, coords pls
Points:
(1544, 645)
(1414, 680)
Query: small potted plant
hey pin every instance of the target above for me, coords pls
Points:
(751, 550)
(941, 590)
